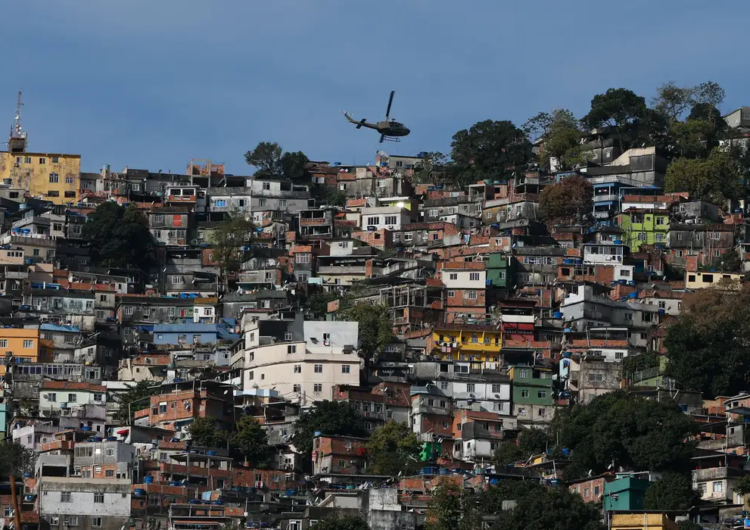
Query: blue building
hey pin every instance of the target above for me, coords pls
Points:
(185, 334)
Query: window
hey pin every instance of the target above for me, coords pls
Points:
(53, 521)
(266, 186)
(345, 369)
(391, 219)
(496, 389)
(716, 252)
(474, 276)
(28, 344)
(70, 194)
(55, 160)
(302, 258)
(282, 204)
(708, 278)
(54, 178)
(65, 496)
(451, 294)
(718, 487)
(470, 387)
(596, 378)
(28, 160)
(99, 498)
(715, 236)
(261, 202)
(691, 277)
(109, 473)
(659, 237)
(472, 295)
(251, 375)
(661, 221)
(292, 348)
(542, 394)
(619, 356)
(625, 273)
(443, 385)
(71, 520)
(3, 343)
(628, 317)
(317, 388)
(178, 280)
(98, 398)
(524, 393)
(53, 194)
(297, 368)
(297, 388)
(318, 369)
(453, 276)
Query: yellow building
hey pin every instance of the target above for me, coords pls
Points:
(20, 343)
(50, 176)
(467, 342)
(641, 521)
(721, 280)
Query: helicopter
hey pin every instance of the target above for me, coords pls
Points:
(389, 130)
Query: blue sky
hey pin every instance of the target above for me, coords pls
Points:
(153, 83)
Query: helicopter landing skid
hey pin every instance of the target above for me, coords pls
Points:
(393, 139)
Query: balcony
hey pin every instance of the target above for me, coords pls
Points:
(608, 197)
(342, 269)
(179, 469)
(717, 473)
(312, 221)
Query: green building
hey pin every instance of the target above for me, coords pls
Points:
(500, 270)
(625, 494)
(644, 227)
(531, 386)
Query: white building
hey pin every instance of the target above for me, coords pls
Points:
(84, 503)
(388, 217)
(603, 253)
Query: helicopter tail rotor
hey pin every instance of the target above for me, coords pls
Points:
(361, 123)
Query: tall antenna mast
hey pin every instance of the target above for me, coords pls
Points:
(17, 129)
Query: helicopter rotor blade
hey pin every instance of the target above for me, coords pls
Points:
(361, 123)
(390, 102)
(382, 137)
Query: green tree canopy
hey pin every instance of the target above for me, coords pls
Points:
(561, 134)
(15, 459)
(619, 109)
(489, 150)
(715, 178)
(204, 432)
(542, 509)
(434, 168)
(342, 522)
(569, 201)
(452, 508)
(530, 442)
(622, 430)
(119, 237)
(394, 449)
(134, 399)
(272, 162)
(743, 485)
(327, 417)
(642, 361)
(672, 492)
(250, 442)
(375, 327)
(228, 239)
(708, 345)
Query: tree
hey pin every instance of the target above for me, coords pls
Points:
(228, 239)
(716, 178)
(619, 430)
(673, 101)
(730, 261)
(491, 500)
(620, 109)
(743, 485)
(266, 157)
(432, 169)
(375, 327)
(530, 442)
(692, 139)
(394, 449)
(672, 492)
(15, 459)
(318, 302)
(134, 399)
(709, 93)
(203, 433)
(561, 135)
(342, 522)
(273, 163)
(708, 345)
(556, 508)
(489, 150)
(508, 453)
(569, 201)
(327, 417)
(639, 362)
(294, 165)
(119, 237)
(452, 508)
(250, 442)
(334, 198)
